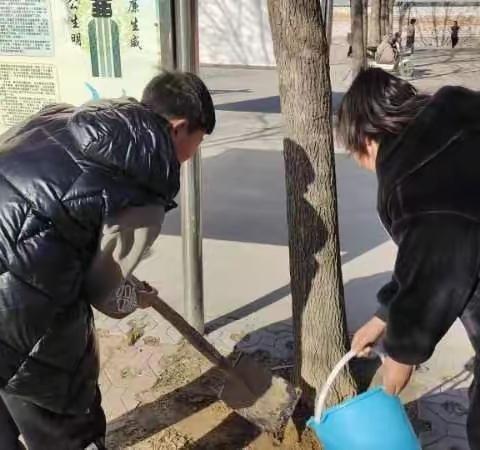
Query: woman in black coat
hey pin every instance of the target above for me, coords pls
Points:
(425, 151)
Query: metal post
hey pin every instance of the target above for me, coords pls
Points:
(186, 21)
(329, 21)
(327, 13)
(166, 30)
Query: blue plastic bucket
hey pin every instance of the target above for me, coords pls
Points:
(373, 420)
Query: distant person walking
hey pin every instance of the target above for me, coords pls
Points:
(454, 34)
(411, 35)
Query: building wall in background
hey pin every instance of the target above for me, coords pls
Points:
(237, 32)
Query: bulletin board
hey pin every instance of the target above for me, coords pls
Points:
(76, 50)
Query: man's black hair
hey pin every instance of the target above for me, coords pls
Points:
(413, 21)
(377, 105)
(181, 95)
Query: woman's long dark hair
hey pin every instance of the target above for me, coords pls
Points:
(376, 106)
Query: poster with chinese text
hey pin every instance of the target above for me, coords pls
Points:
(75, 50)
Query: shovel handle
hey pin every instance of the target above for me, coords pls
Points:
(191, 334)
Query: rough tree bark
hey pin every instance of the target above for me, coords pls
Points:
(365, 24)
(374, 37)
(302, 56)
(404, 15)
(359, 60)
(391, 10)
(384, 18)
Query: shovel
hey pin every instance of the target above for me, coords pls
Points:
(265, 400)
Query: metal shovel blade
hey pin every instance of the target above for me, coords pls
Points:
(266, 400)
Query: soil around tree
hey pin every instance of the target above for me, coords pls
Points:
(182, 411)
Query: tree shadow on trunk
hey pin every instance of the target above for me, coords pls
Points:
(309, 203)
(302, 218)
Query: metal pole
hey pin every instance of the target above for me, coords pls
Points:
(329, 21)
(327, 15)
(186, 18)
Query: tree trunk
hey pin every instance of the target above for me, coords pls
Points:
(383, 18)
(374, 37)
(358, 57)
(390, 25)
(404, 15)
(365, 23)
(434, 25)
(302, 56)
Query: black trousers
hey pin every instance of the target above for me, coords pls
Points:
(471, 321)
(454, 41)
(44, 430)
(410, 43)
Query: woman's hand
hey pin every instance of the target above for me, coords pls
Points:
(367, 336)
(396, 376)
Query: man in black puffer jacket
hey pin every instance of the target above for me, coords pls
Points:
(83, 193)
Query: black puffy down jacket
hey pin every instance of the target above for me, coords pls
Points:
(62, 173)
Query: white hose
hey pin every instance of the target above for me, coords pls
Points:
(322, 396)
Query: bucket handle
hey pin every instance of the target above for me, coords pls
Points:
(322, 396)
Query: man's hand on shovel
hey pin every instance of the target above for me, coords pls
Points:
(145, 294)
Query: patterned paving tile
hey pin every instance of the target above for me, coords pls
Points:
(447, 415)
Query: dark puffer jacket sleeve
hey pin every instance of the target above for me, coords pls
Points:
(436, 273)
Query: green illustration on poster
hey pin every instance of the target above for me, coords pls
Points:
(104, 28)
(104, 41)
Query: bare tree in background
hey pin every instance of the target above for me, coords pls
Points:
(365, 23)
(391, 10)
(403, 15)
(302, 56)
(383, 18)
(359, 60)
(374, 36)
(435, 25)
